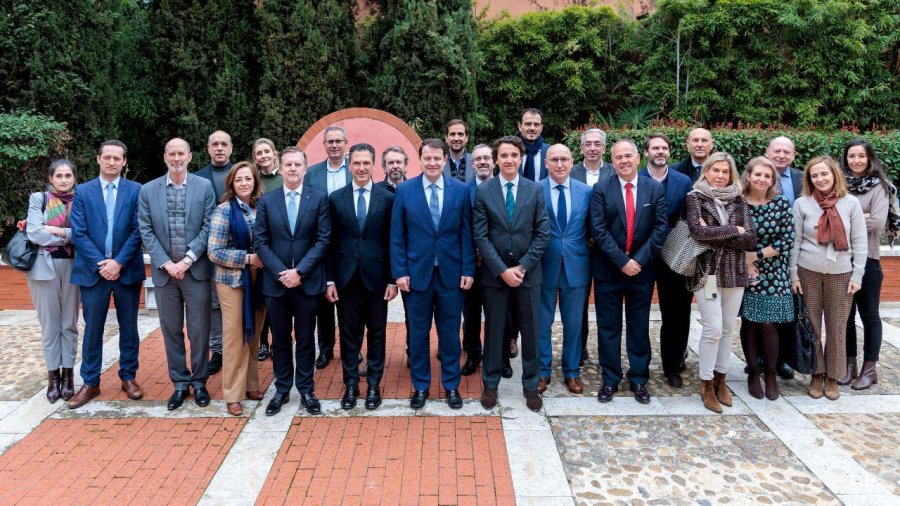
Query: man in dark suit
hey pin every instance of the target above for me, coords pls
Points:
(628, 223)
(433, 259)
(511, 232)
(394, 161)
(671, 288)
(530, 129)
(328, 176)
(173, 214)
(359, 273)
(700, 146)
(459, 163)
(108, 261)
(291, 236)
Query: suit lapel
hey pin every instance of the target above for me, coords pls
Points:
(423, 202)
(351, 212)
(160, 192)
(189, 192)
(449, 195)
(282, 210)
(497, 195)
(375, 202)
(301, 208)
(643, 196)
(521, 200)
(619, 201)
(120, 200)
(554, 221)
(101, 205)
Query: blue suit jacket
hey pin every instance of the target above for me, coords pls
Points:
(543, 174)
(316, 177)
(89, 227)
(571, 247)
(676, 186)
(415, 243)
(609, 232)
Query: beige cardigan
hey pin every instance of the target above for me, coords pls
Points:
(810, 255)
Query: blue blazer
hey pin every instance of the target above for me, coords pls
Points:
(609, 232)
(415, 243)
(88, 219)
(571, 247)
(676, 186)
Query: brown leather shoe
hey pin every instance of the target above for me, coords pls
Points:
(83, 396)
(721, 389)
(868, 376)
(851, 373)
(255, 395)
(533, 400)
(235, 409)
(574, 385)
(132, 390)
(542, 384)
(708, 396)
(489, 398)
(817, 386)
(832, 391)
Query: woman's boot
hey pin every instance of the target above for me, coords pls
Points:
(67, 384)
(708, 395)
(847, 378)
(753, 384)
(868, 376)
(832, 391)
(53, 386)
(817, 386)
(722, 392)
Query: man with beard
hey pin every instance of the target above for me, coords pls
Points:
(393, 161)
(459, 163)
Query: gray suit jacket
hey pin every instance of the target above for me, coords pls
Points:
(153, 221)
(470, 169)
(579, 172)
(316, 176)
(43, 269)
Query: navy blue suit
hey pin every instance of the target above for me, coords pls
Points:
(89, 226)
(472, 304)
(608, 228)
(435, 259)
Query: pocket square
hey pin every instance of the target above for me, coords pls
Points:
(647, 205)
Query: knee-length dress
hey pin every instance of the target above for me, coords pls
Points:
(770, 300)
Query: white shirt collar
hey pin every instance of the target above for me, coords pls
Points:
(663, 178)
(170, 182)
(554, 184)
(633, 182)
(341, 166)
(115, 182)
(356, 187)
(514, 181)
(287, 190)
(427, 182)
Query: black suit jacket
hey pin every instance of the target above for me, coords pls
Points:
(367, 250)
(686, 167)
(303, 249)
(503, 244)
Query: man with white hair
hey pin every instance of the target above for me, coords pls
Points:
(781, 153)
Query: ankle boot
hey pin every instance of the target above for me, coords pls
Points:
(67, 384)
(832, 391)
(722, 392)
(53, 386)
(708, 395)
(847, 378)
(817, 386)
(772, 391)
(753, 384)
(868, 376)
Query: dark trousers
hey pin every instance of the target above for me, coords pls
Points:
(175, 300)
(675, 306)
(264, 332)
(867, 299)
(359, 310)
(496, 348)
(444, 304)
(584, 319)
(293, 311)
(608, 299)
(95, 306)
(325, 325)
(472, 320)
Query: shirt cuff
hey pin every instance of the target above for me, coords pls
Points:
(329, 283)
(192, 255)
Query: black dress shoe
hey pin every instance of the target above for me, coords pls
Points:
(507, 371)
(682, 366)
(606, 392)
(784, 371)
(674, 380)
(323, 360)
(263, 352)
(373, 397)
(274, 406)
(454, 400)
(311, 403)
(351, 393)
(417, 401)
(177, 399)
(471, 365)
(640, 393)
(215, 363)
(201, 396)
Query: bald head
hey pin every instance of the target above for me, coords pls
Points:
(219, 147)
(781, 152)
(700, 144)
(177, 156)
(178, 142)
(559, 163)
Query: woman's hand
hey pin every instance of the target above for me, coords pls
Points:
(57, 231)
(796, 288)
(853, 287)
(254, 261)
(741, 230)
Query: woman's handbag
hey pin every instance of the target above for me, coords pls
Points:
(20, 253)
(680, 251)
(802, 355)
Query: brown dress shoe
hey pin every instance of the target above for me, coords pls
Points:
(574, 385)
(254, 395)
(235, 409)
(721, 389)
(868, 376)
(533, 400)
(542, 384)
(132, 390)
(489, 398)
(83, 396)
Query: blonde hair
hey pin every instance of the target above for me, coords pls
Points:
(720, 156)
(840, 184)
(269, 143)
(776, 176)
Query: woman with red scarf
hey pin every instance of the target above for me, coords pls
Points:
(827, 265)
(56, 300)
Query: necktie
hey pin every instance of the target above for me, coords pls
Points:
(510, 201)
(435, 206)
(361, 209)
(110, 209)
(629, 217)
(292, 210)
(561, 209)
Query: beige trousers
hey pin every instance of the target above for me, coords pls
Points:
(239, 362)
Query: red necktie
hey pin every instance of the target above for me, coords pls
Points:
(629, 217)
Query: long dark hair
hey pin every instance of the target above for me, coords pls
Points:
(875, 168)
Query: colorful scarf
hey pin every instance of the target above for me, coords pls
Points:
(242, 239)
(860, 185)
(56, 214)
(831, 228)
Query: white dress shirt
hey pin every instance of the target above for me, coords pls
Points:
(366, 196)
(514, 189)
(554, 197)
(634, 187)
(426, 183)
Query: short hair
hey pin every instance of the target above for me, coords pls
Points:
(256, 143)
(458, 122)
(840, 184)
(433, 144)
(479, 146)
(745, 177)
(258, 188)
(61, 162)
(113, 142)
(720, 156)
(781, 138)
(597, 131)
(394, 149)
(650, 137)
(291, 149)
(532, 110)
(626, 141)
(362, 146)
(507, 139)
(334, 128)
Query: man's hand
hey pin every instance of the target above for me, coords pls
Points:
(331, 293)
(512, 276)
(390, 293)
(109, 269)
(290, 278)
(466, 282)
(254, 261)
(632, 268)
(176, 269)
(403, 283)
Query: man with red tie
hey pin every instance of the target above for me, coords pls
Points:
(628, 224)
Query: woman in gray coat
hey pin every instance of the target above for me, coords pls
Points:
(56, 300)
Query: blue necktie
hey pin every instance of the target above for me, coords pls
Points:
(361, 209)
(561, 210)
(110, 210)
(292, 210)
(435, 206)
(510, 201)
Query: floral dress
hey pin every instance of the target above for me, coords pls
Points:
(770, 299)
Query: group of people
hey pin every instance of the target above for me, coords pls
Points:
(514, 229)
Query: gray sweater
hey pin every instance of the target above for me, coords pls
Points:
(810, 255)
(875, 203)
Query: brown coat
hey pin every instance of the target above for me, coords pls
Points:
(726, 259)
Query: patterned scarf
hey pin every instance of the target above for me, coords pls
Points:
(56, 214)
(831, 228)
(722, 196)
(860, 185)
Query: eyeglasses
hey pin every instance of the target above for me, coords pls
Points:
(335, 142)
(596, 144)
(558, 160)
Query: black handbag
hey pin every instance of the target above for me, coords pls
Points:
(20, 253)
(802, 356)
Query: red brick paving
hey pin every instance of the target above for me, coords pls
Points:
(391, 460)
(116, 461)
